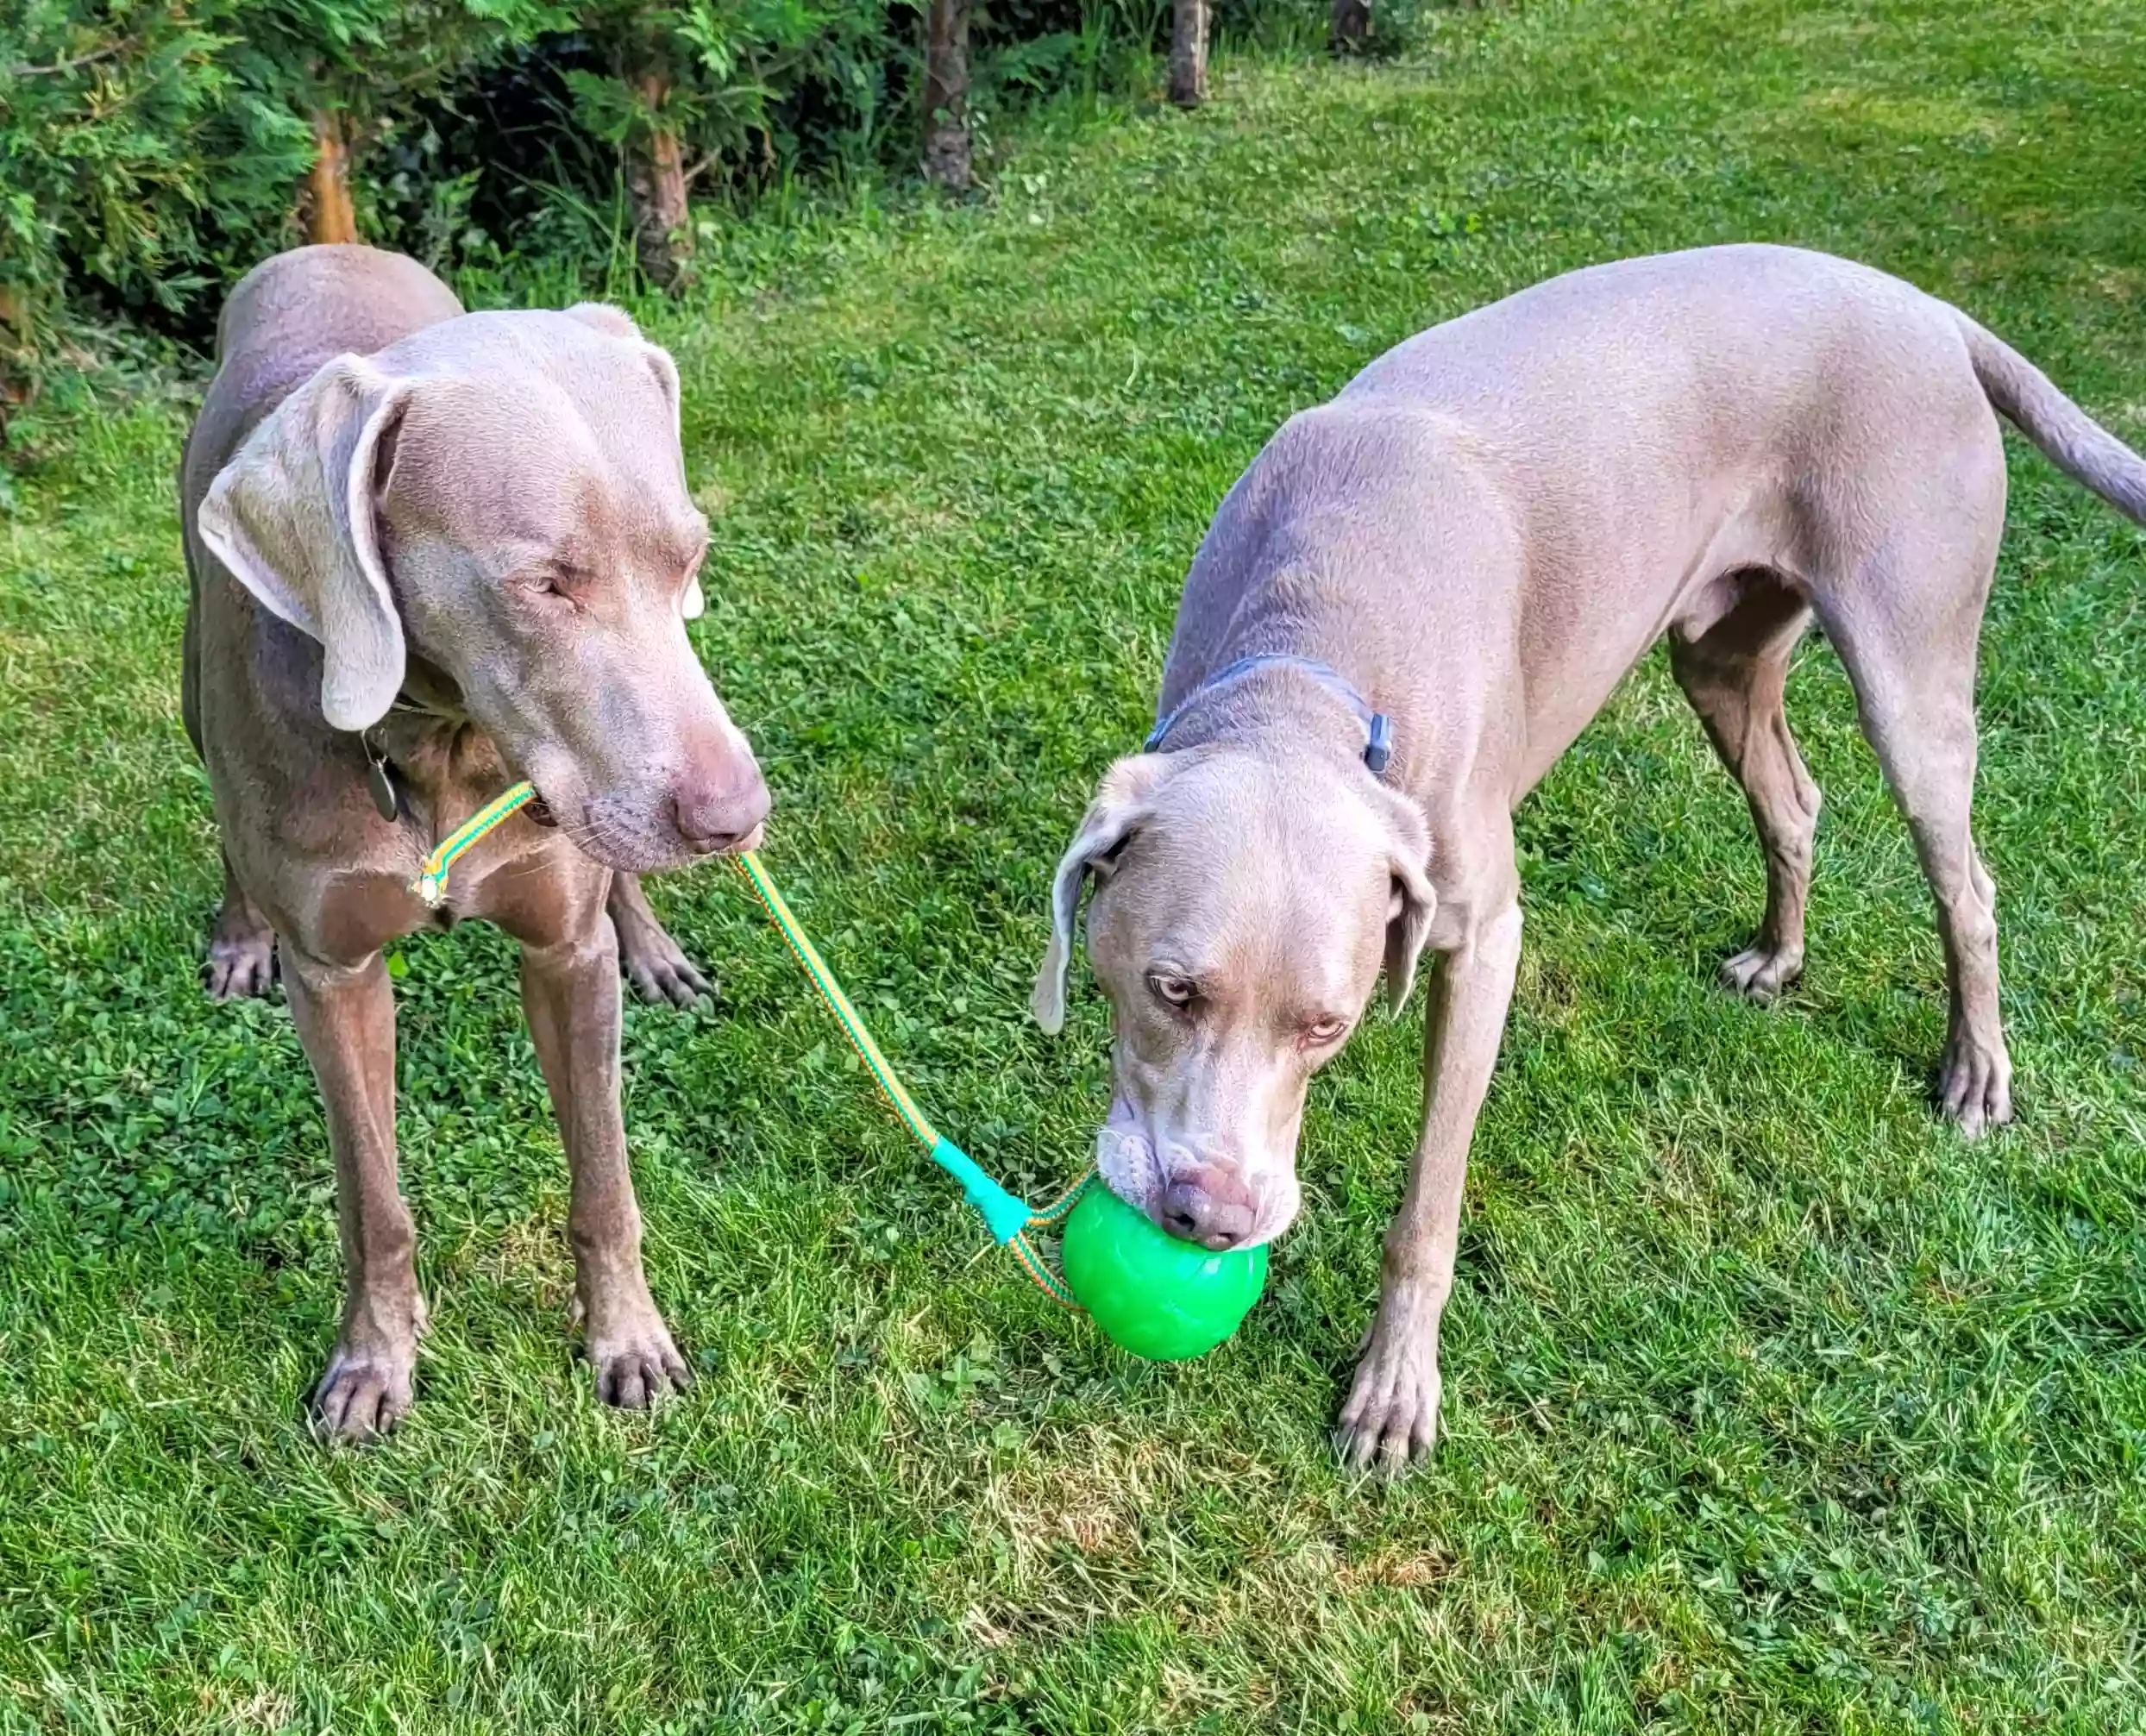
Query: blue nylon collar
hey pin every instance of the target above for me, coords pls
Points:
(1378, 732)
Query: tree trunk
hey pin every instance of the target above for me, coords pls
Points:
(18, 382)
(946, 95)
(331, 219)
(662, 232)
(1188, 53)
(1352, 25)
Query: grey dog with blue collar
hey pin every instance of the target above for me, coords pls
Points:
(1489, 527)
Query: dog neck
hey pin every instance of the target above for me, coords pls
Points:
(1378, 729)
(429, 741)
(1280, 707)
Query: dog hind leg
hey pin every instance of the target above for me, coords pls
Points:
(654, 963)
(1917, 704)
(241, 959)
(1904, 611)
(1735, 675)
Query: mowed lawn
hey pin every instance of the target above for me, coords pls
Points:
(1770, 1404)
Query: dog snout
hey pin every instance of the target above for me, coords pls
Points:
(719, 808)
(1210, 1207)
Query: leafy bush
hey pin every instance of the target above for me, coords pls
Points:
(121, 128)
(152, 150)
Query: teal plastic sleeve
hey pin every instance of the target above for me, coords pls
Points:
(1006, 1214)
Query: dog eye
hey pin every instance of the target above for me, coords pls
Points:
(544, 588)
(1173, 991)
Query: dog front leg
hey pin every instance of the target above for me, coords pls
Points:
(1391, 1416)
(570, 994)
(346, 1019)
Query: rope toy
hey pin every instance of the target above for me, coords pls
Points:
(431, 886)
(1150, 1293)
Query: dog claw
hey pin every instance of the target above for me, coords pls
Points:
(674, 979)
(1760, 973)
(653, 963)
(637, 1367)
(1974, 1086)
(658, 968)
(1390, 1422)
(241, 967)
(363, 1394)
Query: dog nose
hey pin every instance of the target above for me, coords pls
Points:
(1207, 1208)
(717, 812)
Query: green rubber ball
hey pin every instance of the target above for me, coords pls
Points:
(1151, 1294)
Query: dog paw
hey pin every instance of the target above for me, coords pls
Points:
(1760, 973)
(365, 1393)
(1975, 1084)
(658, 968)
(240, 966)
(637, 1365)
(1391, 1420)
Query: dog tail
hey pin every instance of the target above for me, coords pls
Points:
(2078, 445)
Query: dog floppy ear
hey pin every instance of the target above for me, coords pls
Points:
(613, 322)
(1122, 802)
(293, 516)
(1414, 903)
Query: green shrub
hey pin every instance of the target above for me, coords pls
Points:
(152, 150)
(123, 128)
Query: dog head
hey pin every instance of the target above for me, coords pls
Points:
(1244, 907)
(502, 497)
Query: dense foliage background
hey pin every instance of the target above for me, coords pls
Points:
(152, 150)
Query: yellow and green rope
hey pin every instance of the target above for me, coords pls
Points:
(431, 886)
(1008, 1217)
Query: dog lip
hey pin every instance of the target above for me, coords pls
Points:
(736, 844)
(1138, 1182)
(586, 829)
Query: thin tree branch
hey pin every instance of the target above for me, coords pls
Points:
(75, 63)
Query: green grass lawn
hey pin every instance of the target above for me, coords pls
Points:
(1770, 1404)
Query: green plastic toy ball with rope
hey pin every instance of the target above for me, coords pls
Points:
(1148, 1292)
